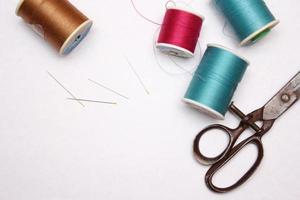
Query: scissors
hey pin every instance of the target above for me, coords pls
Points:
(267, 114)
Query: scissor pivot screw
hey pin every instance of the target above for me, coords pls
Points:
(285, 98)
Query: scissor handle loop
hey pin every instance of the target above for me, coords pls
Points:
(256, 140)
(211, 160)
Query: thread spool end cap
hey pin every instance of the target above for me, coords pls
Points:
(174, 50)
(259, 34)
(204, 109)
(19, 6)
(76, 37)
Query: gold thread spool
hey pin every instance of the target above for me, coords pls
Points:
(57, 21)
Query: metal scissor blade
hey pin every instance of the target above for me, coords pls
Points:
(283, 100)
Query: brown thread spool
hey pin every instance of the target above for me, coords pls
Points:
(57, 21)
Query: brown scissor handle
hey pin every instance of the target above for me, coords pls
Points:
(232, 149)
(233, 134)
(256, 140)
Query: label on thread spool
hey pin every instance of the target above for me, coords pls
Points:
(169, 40)
(38, 29)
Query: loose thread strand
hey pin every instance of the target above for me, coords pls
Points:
(224, 31)
(140, 14)
(185, 71)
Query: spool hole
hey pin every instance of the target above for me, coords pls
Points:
(173, 53)
(260, 35)
(78, 38)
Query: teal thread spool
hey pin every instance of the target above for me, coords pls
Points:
(250, 19)
(215, 81)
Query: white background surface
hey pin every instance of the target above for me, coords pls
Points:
(55, 149)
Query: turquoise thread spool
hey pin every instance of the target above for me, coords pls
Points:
(215, 81)
(250, 19)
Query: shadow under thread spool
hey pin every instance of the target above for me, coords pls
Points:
(179, 32)
(250, 19)
(57, 21)
(215, 81)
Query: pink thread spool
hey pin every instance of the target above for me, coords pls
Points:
(179, 32)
